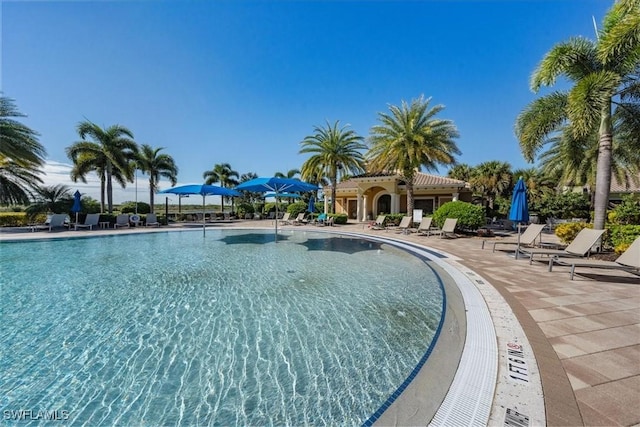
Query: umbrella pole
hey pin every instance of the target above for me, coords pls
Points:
(276, 236)
(518, 245)
(203, 221)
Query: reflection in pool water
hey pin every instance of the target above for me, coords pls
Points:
(174, 328)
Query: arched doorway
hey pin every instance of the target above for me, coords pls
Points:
(384, 204)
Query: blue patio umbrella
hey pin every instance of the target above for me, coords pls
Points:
(283, 195)
(312, 205)
(202, 189)
(278, 186)
(519, 211)
(76, 204)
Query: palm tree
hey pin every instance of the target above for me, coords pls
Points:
(150, 161)
(223, 174)
(409, 138)
(334, 150)
(604, 76)
(491, 179)
(461, 171)
(55, 198)
(290, 174)
(108, 156)
(248, 196)
(538, 184)
(21, 156)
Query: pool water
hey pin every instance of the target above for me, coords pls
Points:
(232, 328)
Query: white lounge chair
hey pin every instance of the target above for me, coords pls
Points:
(425, 226)
(90, 221)
(629, 261)
(449, 227)
(299, 219)
(580, 247)
(52, 221)
(527, 238)
(404, 225)
(285, 219)
(122, 220)
(152, 220)
(378, 224)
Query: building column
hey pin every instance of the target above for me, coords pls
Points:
(395, 203)
(359, 207)
(364, 209)
(326, 204)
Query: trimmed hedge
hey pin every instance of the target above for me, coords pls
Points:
(470, 216)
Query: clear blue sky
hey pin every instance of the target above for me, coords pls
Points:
(243, 82)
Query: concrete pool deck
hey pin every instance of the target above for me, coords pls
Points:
(585, 333)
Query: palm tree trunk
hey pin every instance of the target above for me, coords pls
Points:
(152, 187)
(109, 191)
(102, 190)
(410, 203)
(603, 172)
(334, 180)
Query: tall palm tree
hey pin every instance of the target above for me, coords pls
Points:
(604, 76)
(108, 155)
(156, 165)
(491, 179)
(409, 138)
(21, 156)
(224, 175)
(334, 150)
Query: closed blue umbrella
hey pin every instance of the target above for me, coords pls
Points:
(76, 204)
(276, 186)
(519, 211)
(203, 190)
(312, 205)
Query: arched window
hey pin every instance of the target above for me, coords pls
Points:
(384, 204)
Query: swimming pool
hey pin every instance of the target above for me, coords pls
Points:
(174, 328)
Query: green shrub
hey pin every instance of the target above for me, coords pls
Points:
(244, 208)
(568, 231)
(622, 234)
(20, 219)
(130, 207)
(470, 217)
(295, 208)
(627, 212)
(393, 219)
(339, 218)
(621, 248)
(566, 205)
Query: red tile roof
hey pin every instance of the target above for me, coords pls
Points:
(421, 180)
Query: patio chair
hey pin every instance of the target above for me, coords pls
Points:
(152, 219)
(89, 222)
(378, 224)
(580, 247)
(320, 220)
(527, 238)
(425, 226)
(629, 261)
(299, 219)
(122, 220)
(449, 227)
(53, 221)
(404, 225)
(285, 219)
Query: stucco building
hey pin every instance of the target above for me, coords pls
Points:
(365, 196)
